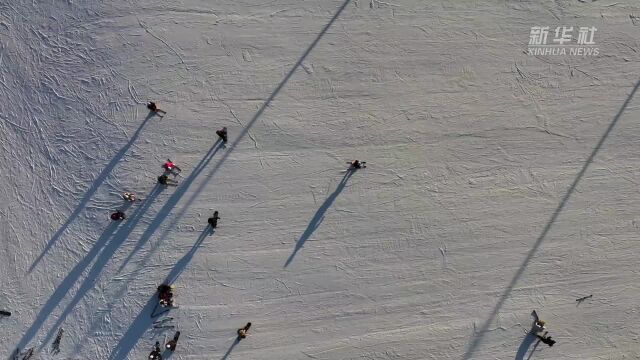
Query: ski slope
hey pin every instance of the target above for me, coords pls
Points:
(497, 182)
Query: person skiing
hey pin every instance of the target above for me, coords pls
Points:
(165, 295)
(154, 108)
(222, 133)
(164, 180)
(213, 221)
(156, 354)
(355, 164)
(171, 344)
(118, 215)
(538, 324)
(242, 333)
(170, 166)
(129, 196)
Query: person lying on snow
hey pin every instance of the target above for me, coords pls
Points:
(165, 295)
(156, 354)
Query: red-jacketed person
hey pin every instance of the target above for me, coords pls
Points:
(170, 166)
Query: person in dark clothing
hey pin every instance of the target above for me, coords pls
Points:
(547, 340)
(156, 354)
(213, 221)
(118, 215)
(355, 164)
(154, 108)
(171, 344)
(222, 133)
(165, 295)
(164, 180)
(242, 333)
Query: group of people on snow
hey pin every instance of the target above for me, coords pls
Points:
(170, 168)
(165, 291)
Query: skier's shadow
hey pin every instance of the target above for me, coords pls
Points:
(179, 267)
(167, 354)
(524, 347)
(319, 216)
(235, 342)
(138, 327)
(92, 190)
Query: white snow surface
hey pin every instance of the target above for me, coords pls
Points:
(497, 182)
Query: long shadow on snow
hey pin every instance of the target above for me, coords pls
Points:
(565, 199)
(171, 203)
(244, 131)
(319, 216)
(167, 354)
(105, 255)
(186, 259)
(87, 196)
(235, 342)
(115, 233)
(526, 343)
(144, 320)
(140, 324)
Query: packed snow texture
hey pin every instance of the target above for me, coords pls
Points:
(497, 182)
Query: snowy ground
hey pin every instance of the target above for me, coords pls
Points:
(498, 182)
